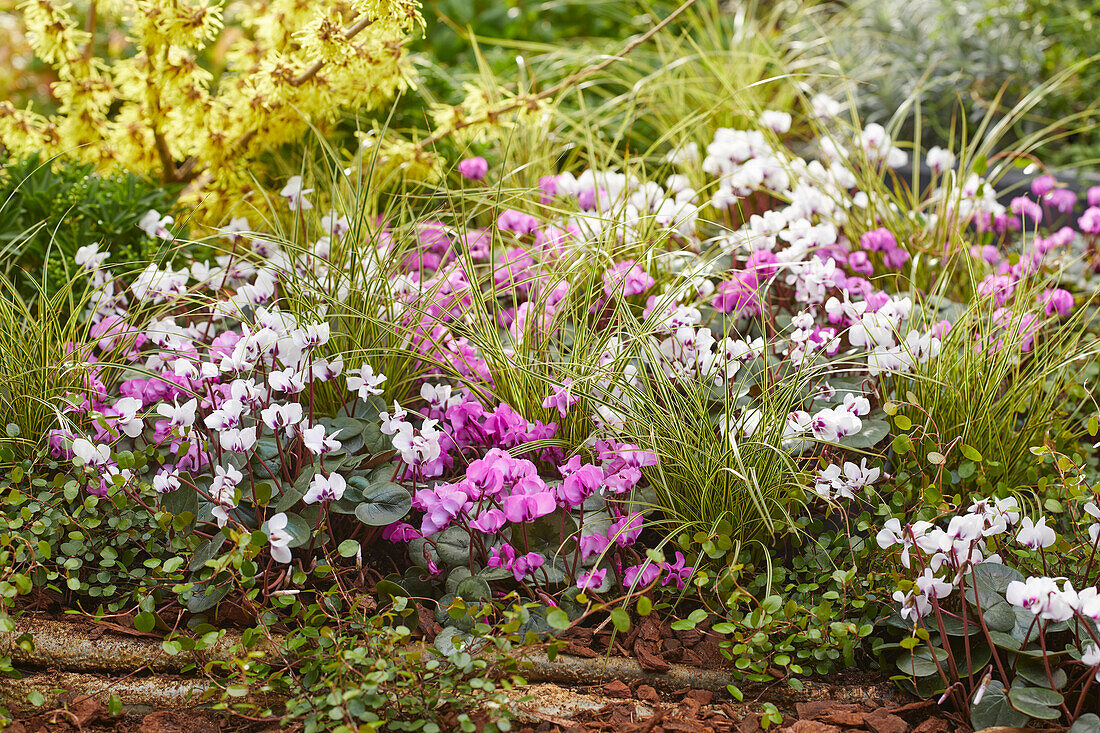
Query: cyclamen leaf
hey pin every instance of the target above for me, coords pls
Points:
(202, 601)
(455, 577)
(266, 449)
(384, 503)
(1036, 702)
(920, 662)
(450, 641)
(994, 709)
(299, 530)
(183, 499)
(206, 551)
(290, 496)
(453, 546)
(1087, 723)
(874, 430)
(473, 589)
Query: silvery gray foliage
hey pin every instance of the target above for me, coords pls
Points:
(943, 49)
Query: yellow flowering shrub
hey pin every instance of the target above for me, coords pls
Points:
(205, 85)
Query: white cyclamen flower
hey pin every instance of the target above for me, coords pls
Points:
(325, 488)
(279, 538)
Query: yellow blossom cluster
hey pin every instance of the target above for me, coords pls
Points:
(168, 108)
(486, 109)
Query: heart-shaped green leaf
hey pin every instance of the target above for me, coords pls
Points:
(1036, 702)
(995, 710)
(453, 546)
(383, 503)
(921, 662)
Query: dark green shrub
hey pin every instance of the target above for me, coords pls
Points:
(47, 212)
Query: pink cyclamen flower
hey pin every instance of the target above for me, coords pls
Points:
(502, 557)
(517, 222)
(1062, 200)
(527, 564)
(677, 571)
(592, 579)
(895, 258)
(626, 531)
(548, 185)
(561, 398)
(878, 240)
(859, 262)
(489, 521)
(1092, 196)
(474, 168)
(528, 507)
(1057, 300)
(1025, 326)
(1090, 220)
(641, 575)
(1026, 208)
(400, 532)
(1042, 185)
(939, 329)
(591, 545)
(626, 277)
(738, 295)
(579, 485)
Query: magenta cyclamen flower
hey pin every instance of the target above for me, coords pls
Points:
(502, 557)
(1025, 326)
(1062, 200)
(561, 398)
(641, 575)
(1090, 220)
(677, 572)
(762, 263)
(474, 168)
(939, 330)
(1042, 185)
(528, 507)
(440, 505)
(400, 532)
(522, 566)
(578, 485)
(1092, 196)
(895, 258)
(517, 222)
(489, 521)
(1026, 208)
(626, 531)
(626, 278)
(548, 185)
(878, 240)
(592, 579)
(859, 262)
(527, 564)
(1057, 300)
(591, 545)
(738, 295)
